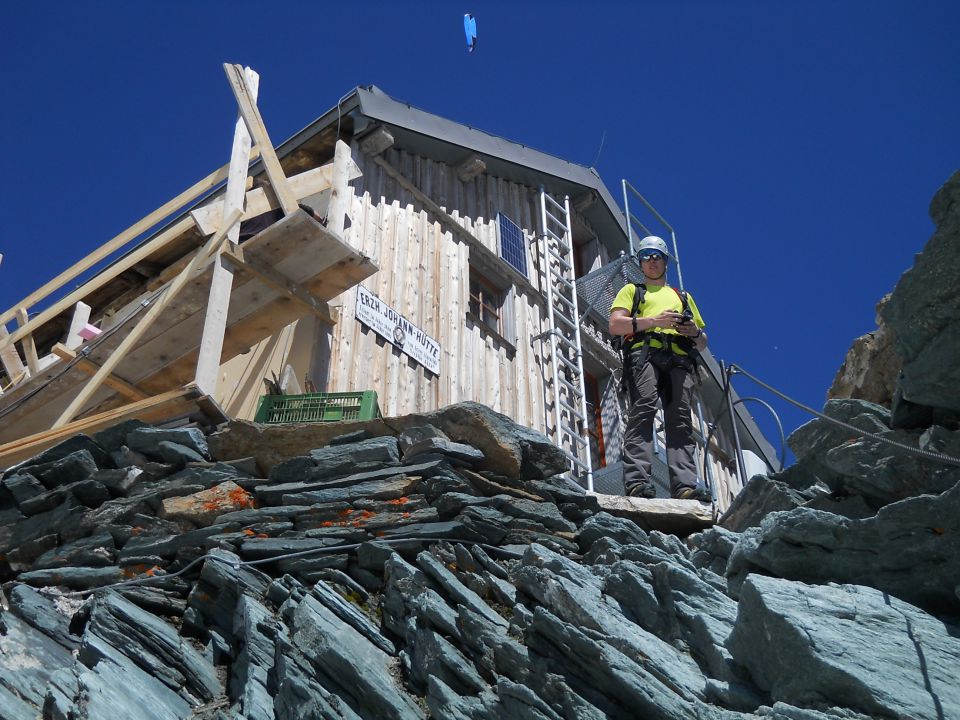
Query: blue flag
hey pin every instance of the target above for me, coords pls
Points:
(470, 28)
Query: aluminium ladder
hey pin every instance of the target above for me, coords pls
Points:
(563, 353)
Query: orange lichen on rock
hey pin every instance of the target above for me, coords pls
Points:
(400, 501)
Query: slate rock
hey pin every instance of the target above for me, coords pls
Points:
(114, 437)
(28, 657)
(348, 664)
(387, 489)
(23, 487)
(177, 454)
(76, 466)
(75, 578)
(256, 628)
(273, 493)
(408, 598)
(758, 498)
(350, 437)
(70, 446)
(202, 508)
(459, 452)
(897, 662)
(147, 440)
(119, 482)
(456, 591)
(909, 549)
(712, 548)
(40, 613)
(93, 551)
(432, 656)
(604, 525)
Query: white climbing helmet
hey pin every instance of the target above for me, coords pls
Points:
(652, 242)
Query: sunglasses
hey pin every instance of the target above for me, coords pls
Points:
(651, 256)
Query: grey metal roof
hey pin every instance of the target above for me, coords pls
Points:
(424, 133)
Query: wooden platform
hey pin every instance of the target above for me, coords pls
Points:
(677, 517)
(298, 249)
(186, 404)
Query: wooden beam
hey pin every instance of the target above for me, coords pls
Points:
(221, 282)
(177, 284)
(258, 201)
(191, 193)
(376, 141)
(128, 390)
(153, 409)
(340, 195)
(470, 168)
(100, 280)
(246, 100)
(29, 347)
(279, 281)
(10, 357)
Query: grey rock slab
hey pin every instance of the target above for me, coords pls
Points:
(574, 594)
(256, 628)
(40, 613)
(494, 652)
(153, 645)
(27, 659)
(261, 548)
(460, 452)
(413, 435)
(23, 487)
(70, 446)
(76, 578)
(910, 549)
(177, 454)
(431, 655)
(846, 645)
(387, 489)
(680, 608)
(604, 676)
(115, 436)
(111, 685)
(456, 591)
(352, 615)
(759, 497)
(349, 664)
(605, 525)
(273, 493)
(147, 440)
(93, 551)
(712, 548)
(408, 597)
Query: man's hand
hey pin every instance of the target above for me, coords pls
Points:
(668, 319)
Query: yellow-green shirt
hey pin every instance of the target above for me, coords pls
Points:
(657, 299)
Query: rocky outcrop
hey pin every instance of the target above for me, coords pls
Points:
(871, 366)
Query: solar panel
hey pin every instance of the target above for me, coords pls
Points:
(512, 245)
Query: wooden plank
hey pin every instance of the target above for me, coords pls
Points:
(340, 194)
(258, 201)
(10, 357)
(191, 193)
(102, 279)
(126, 389)
(221, 283)
(29, 347)
(278, 281)
(246, 100)
(167, 406)
(173, 289)
(81, 316)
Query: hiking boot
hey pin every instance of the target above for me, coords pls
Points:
(693, 493)
(642, 491)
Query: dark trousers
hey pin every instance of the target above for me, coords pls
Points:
(673, 387)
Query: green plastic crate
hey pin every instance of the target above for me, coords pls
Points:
(318, 407)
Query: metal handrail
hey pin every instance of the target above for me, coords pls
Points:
(631, 219)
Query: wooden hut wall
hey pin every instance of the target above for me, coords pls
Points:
(425, 276)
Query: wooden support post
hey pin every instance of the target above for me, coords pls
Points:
(29, 347)
(340, 195)
(81, 316)
(279, 281)
(10, 357)
(221, 283)
(128, 390)
(176, 285)
(246, 100)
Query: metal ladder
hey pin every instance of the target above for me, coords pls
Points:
(571, 427)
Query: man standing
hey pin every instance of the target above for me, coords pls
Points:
(662, 330)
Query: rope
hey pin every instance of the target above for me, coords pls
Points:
(929, 455)
(237, 564)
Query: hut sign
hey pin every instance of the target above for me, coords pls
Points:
(395, 328)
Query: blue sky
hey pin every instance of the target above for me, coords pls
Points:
(795, 146)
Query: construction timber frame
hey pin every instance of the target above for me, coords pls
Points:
(201, 298)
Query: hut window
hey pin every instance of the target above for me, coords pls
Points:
(491, 305)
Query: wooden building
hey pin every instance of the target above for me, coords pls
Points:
(428, 284)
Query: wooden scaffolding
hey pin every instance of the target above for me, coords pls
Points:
(151, 348)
